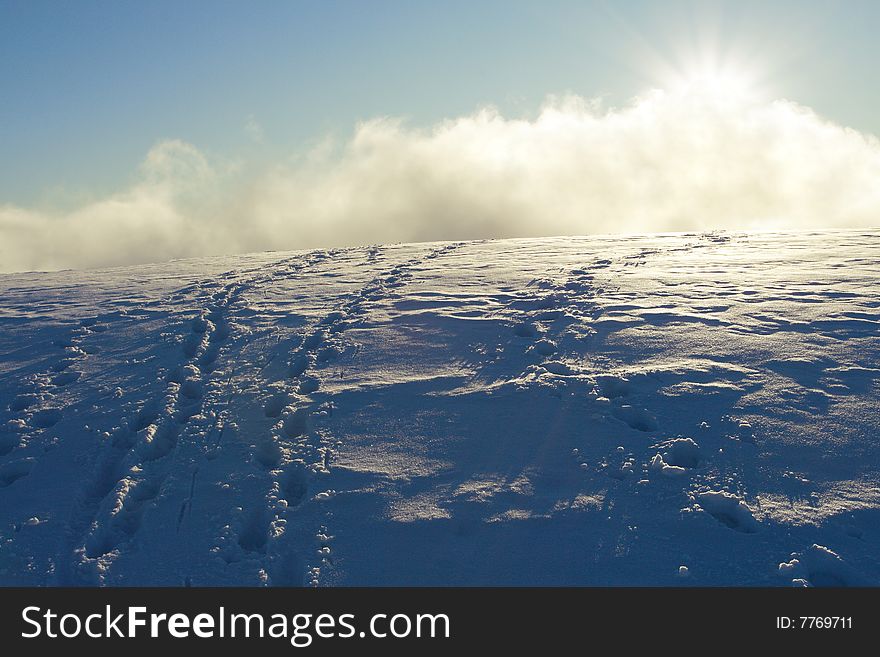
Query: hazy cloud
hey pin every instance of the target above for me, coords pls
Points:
(254, 130)
(665, 162)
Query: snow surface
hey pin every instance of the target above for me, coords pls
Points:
(650, 410)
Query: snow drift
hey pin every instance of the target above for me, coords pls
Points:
(555, 411)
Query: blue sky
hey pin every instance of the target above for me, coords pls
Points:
(88, 87)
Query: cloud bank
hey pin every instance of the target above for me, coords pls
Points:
(665, 162)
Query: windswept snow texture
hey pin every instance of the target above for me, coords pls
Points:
(571, 411)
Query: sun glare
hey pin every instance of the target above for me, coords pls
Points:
(709, 72)
(723, 84)
(717, 82)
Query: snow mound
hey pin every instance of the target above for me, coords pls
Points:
(730, 510)
(820, 566)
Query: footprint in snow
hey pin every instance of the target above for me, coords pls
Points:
(66, 378)
(15, 470)
(8, 442)
(276, 404)
(23, 402)
(46, 417)
(525, 330)
(636, 418)
(296, 423)
(676, 457)
(821, 567)
(300, 364)
(544, 347)
(268, 453)
(63, 364)
(254, 532)
(294, 484)
(309, 385)
(728, 509)
(612, 387)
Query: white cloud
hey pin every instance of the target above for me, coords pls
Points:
(666, 162)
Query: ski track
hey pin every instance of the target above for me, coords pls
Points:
(131, 467)
(298, 452)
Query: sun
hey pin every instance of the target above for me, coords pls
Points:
(709, 72)
(729, 82)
